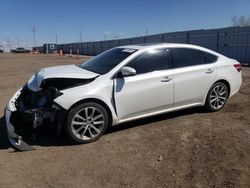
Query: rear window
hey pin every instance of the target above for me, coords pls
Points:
(183, 57)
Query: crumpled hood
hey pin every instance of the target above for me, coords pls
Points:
(65, 71)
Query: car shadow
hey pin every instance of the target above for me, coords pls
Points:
(4, 142)
(47, 138)
(44, 138)
(157, 118)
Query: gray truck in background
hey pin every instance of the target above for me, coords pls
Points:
(20, 50)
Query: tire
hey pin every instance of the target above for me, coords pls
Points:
(87, 122)
(217, 97)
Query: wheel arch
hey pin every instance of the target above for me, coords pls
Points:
(217, 81)
(98, 101)
(226, 83)
(207, 103)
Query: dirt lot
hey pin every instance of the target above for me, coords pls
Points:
(190, 148)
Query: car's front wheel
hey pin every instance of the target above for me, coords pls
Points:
(87, 122)
(217, 97)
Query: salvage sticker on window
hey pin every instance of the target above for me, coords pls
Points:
(129, 50)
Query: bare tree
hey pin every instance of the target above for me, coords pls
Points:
(240, 21)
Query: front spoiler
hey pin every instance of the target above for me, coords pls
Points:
(15, 140)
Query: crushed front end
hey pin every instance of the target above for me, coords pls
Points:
(33, 105)
(29, 110)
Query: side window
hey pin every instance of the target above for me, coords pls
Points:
(150, 61)
(184, 57)
(209, 58)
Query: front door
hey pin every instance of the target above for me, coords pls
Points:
(147, 92)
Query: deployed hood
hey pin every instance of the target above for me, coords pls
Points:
(59, 72)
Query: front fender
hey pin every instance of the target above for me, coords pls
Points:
(74, 95)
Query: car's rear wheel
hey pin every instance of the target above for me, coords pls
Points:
(87, 122)
(217, 97)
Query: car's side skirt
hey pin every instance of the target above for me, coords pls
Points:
(157, 113)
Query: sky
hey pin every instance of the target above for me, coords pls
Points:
(97, 19)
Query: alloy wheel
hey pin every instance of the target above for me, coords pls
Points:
(218, 96)
(87, 123)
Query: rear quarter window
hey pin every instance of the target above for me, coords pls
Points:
(209, 58)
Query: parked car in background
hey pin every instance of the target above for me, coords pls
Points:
(20, 50)
(245, 63)
(1, 49)
(120, 85)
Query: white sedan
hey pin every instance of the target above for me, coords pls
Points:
(121, 85)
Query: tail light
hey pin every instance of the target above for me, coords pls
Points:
(238, 67)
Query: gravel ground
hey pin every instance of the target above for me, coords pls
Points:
(190, 148)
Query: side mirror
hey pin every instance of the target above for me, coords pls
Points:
(128, 71)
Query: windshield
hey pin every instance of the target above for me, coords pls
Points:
(106, 61)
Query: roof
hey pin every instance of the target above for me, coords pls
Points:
(150, 45)
(166, 45)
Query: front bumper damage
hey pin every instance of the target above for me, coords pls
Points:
(15, 140)
(34, 106)
(20, 117)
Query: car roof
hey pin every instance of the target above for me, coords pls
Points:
(167, 45)
(155, 45)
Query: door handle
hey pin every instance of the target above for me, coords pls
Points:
(209, 71)
(166, 79)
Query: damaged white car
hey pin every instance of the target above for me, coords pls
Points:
(120, 85)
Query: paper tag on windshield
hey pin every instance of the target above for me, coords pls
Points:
(128, 50)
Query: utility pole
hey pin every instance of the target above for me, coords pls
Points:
(56, 38)
(80, 32)
(17, 38)
(34, 35)
(8, 43)
(105, 36)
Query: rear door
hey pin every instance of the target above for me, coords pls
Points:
(194, 73)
